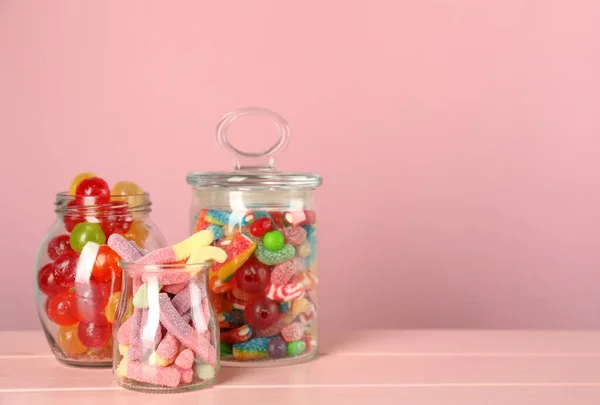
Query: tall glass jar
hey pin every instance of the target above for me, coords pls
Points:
(78, 280)
(169, 342)
(265, 294)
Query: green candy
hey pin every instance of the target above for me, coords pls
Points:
(270, 258)
(273, 240)
(85, 232)
(140, 298)
(296, 348)
(226, 349)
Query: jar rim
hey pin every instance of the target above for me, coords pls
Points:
(64, 204)
(254, 179)
(162, 268)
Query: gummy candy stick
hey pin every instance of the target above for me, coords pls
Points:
(181, 301)
(216, 230)
(124, 331)
(234, 218)
(167, 277)
(271, 258)
(201, 223)
(238, 335)
(187, 375)
(177, 326)
(135, 335)
(165, 376)
(206, 253)
(185, 359)
(287, 292)
(123, 248)
(238, 251)
(167, 349)
(143, 252)
(174, 288)
(179, 251)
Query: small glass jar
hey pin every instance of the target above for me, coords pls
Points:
(265, 294)
(78, 280)
(169, 342)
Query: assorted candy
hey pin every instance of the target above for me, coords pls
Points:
(79, 278)
(265, 289)
(170, 341)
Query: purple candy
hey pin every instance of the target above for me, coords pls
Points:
(277, 348)
(123, 248)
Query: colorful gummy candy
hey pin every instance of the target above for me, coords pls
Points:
(168, 342)
(82, 280)
(261, 290)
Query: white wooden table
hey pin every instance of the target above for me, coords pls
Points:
(361, 367)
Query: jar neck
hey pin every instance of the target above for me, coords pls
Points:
(132, 205)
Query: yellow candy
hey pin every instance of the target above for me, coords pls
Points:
(129, 192)
(185, 248)
(77, 180)
(138, 233)
(300, 306)
(68, 340)
(111, 307)
(122, 369)
(124, 349)
(156, 360)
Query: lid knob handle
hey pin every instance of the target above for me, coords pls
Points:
(243, 160)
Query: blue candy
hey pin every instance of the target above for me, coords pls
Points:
(216, 230)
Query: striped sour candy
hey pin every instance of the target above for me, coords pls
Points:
(252, 349)
(222, 217)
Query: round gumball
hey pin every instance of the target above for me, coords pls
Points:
(86, 232)
(261, 312)
(58, 245)
(277, 348)
(73, 216)
(273, 240)
(61, 308)
(261, 226)
(252, 277)
(115, 218)
(129, 192)
(91, 299)
(96, 333)
(47, 282)
(78, 179)
(64, 267)
(106, 266)
(92, 191)
(68, 340)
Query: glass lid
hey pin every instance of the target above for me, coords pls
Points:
(248, 172)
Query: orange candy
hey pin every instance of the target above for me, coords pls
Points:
(68, 340)
(138, 233)
(111, 308)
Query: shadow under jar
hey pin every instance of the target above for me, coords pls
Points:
(169, 342)
(78, 279)
(265, 293)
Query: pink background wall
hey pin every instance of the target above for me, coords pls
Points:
(458, 139)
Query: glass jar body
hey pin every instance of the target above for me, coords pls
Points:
(76, 299)
(265, 294)
(169, 342)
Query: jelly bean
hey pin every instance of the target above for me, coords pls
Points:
(261, 226)
(47, 283)
(287, 292)
(78, 179)
(237, 335)
(62, 309)
(226, 350)
(252, 349)
(129, 192)
(58, 245)
(96, 333)
(271, 258)
(273, 240)
(261, 312)
(92, 191)
(294, 235)
(277, 348)
(85, 232)
(106, 266)
(68, 340)
(304, 249)
(240, 249)
(64, 268)
(292, 332)
(216, 231)
(296, 348)
(252, 277)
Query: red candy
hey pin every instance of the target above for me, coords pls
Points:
(58, 245)
(46, 281)
(261, 313)
(261, 226)
(106, 265)
(237, 335)
(96, 333)
(64, 268)
(245, 296)
(61, 309)
(277, 218)
(91, 299)
(115, 218)
(70, 218)
(92, 191)
(297, 218)
(201, 223)
(252, 277)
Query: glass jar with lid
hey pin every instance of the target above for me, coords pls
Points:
(265, 293)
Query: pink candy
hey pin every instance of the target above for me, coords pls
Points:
(174, 288)
(187, 375)
(123, 247)
(294, 235)
(283, 272)
(284, 293)
(185, 359)
(168, 347)
(294, 331)
(178, 327)
(124, 331)
(182, 301)
(166, 376)
(167, 277)
(158, 256)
